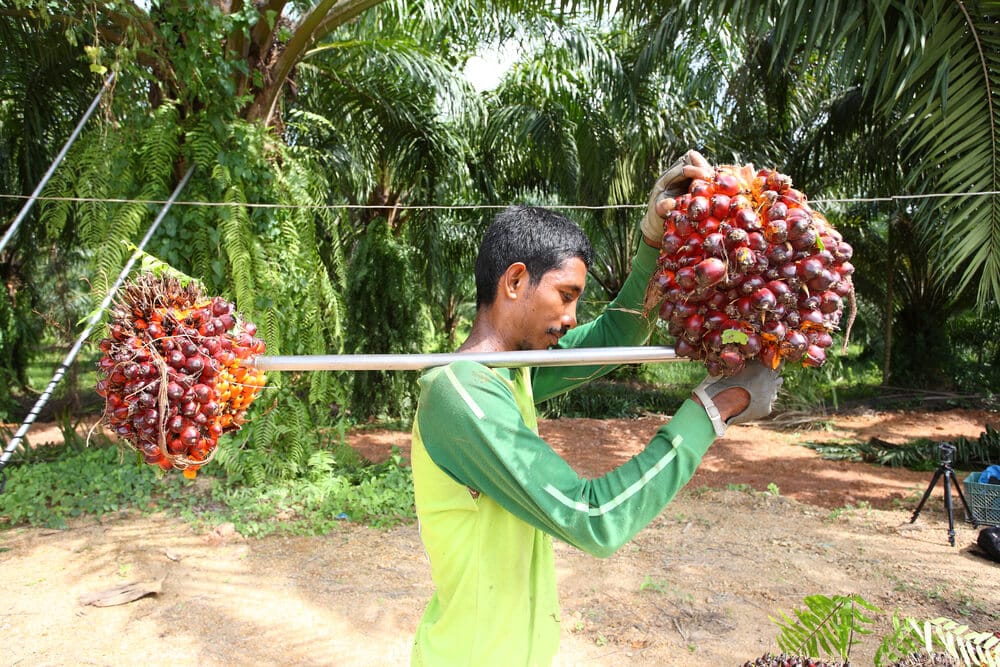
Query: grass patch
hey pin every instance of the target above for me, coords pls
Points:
(98, 480)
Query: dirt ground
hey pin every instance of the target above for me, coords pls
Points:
(696, 587)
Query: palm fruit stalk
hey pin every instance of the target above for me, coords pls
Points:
(172, 372)
(748, 270)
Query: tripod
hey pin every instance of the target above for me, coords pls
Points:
(948, 473)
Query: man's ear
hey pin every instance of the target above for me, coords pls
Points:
(514, 281)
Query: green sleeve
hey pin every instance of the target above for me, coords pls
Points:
(622, 323)
(471, 428)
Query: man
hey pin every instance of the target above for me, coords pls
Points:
(490, 494)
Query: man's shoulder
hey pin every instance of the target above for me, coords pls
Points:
(460, 379)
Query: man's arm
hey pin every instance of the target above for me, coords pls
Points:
(621, 323)
(471, 427)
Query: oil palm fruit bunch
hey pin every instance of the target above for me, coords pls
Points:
(747, 269)
(173, 371)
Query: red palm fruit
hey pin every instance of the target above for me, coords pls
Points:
(780, 253)
(250, 328)
(685, 349)
(781, 292)
(154, 330)
(692, 246)
(823, 339)
(751, 284)
(794, 345)
(776, 231)
(708, 226)
(194, 364)
(176, 446)
(202, 392)
(825, 257)
(686, 278)
(822, 281)
(714, 245)
(215, 430)
(670, 243)
(732, 360)
(751, 347)
(807, 241)
(712, 340)
(709, 271)
(666, 309)
(714, 320)
(693, 327)
(770, 356)
(727, 184)
(843, 252)
(742, 259)
(778, 211)
(845, 269)
(814, 357)
(718, 299)
(701, 188)
(189, 348)
(674, 327)
(188, 408)
(811, 320)
(773, 331)
(189, 436)
(742, 308)
(757, 242)
(763, 299)
(176, 424)
(174, 391)
(220, 306)
(797, 226)
(699, 208)
(719, 205)
(809, 268)
(210, 408)
(684, 310)
(684, 226)
(746, 219)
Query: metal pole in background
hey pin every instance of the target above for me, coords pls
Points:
(9, 234)
(94, 319)
(582, 356)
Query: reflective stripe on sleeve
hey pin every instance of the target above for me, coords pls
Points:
(627, 493)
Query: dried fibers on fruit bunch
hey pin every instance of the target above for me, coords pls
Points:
(748, 270)
(172, 372)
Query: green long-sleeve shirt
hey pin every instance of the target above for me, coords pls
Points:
(490, 493)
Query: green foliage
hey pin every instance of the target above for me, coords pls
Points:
(334, 487)
(827, 624)
(57, 483)
(92, 481)
(921, 454)
(385, 314)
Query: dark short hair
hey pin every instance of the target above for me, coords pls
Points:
(540, 238)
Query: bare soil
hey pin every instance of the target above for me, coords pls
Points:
(694, 588)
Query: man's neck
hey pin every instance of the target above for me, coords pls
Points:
(484, 338)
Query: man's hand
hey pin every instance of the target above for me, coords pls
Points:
(673, 182)
(743, 397)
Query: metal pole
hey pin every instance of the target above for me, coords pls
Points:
(584, 356)
(9, 234)
(95, 317)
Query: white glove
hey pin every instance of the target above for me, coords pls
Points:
(760, 382)
(671, 183)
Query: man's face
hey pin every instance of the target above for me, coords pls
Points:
(548, 310)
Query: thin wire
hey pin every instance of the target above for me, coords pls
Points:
(95, 317)
(457, 207)
(33, 197)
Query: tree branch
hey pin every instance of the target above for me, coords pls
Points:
(321, 19)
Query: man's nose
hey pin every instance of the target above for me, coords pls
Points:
(569, 317)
